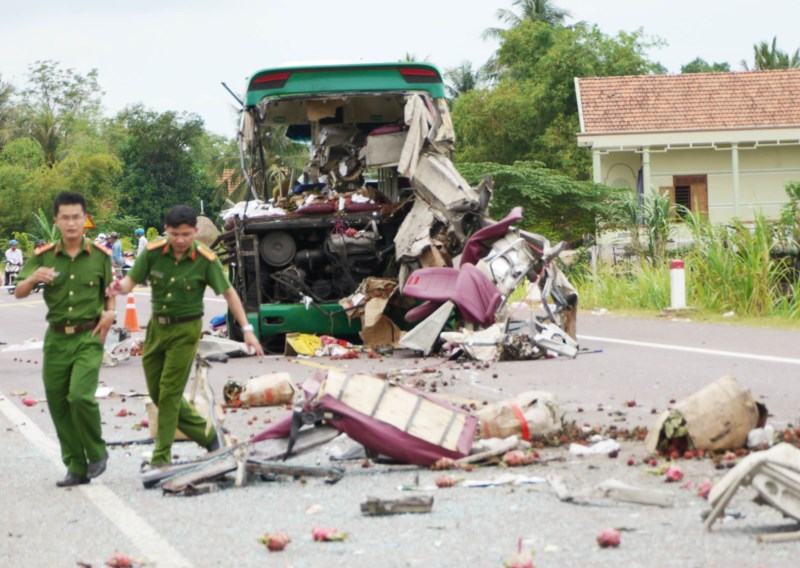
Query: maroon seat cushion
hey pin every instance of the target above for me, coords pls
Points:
(433, 283)
(316, 209)
(476, 296)
(481, 240)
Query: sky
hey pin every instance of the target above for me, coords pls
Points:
(173, 54)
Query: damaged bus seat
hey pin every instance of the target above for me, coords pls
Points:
(468, 288)
(480, 242)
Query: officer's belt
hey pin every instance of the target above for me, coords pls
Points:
(72, 329)
(164, 320)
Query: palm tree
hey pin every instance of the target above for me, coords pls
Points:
(529, 10)
(766, 56)
(462, 79)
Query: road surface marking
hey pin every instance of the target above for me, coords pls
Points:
(700, 350)
(21, 304)
(149, 542)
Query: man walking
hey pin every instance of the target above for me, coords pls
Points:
(142, 242)
(13, 261)
(179, 269)
(75, 272)
(116, 254)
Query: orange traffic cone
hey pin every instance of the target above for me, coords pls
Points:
(131, 321)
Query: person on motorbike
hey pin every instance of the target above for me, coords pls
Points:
(13, 261)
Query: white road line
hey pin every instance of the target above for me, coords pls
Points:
(149, 542)
(734, 354)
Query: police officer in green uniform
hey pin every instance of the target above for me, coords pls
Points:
(75, 272)
(179, 269)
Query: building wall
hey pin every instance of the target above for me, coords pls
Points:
(763, 173)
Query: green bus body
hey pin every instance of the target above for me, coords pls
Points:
(360, 77)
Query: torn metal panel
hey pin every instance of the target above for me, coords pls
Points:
(480, 345)
(774, 473)
(619, 491)
(440, 185)
(414, 234)
(380, 507)
(382, 150)
(424, 335)
(419, 120)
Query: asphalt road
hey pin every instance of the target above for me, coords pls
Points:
(649, 361)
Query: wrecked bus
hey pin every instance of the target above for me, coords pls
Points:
(378, 199)
(377, 193)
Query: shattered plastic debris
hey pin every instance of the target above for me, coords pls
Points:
(599, 447)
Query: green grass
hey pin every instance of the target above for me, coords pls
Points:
(728, 269)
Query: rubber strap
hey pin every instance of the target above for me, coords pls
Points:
(526, 434)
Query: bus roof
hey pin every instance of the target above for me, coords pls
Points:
(343, 78)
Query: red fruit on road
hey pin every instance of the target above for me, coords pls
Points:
(631, 461)
(122, 412)
(609, 537)
(673, 473)
(275, 541)
(688, 454)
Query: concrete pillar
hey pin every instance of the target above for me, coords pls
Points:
(647, 186)
(735, 175)
(597, 167)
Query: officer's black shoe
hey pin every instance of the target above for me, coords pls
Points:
(213, 445)
(73, 479)
(95, 469)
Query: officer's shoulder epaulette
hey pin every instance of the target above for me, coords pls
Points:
(157, 244)
(207, 252)
(102, 248)
(43, 248)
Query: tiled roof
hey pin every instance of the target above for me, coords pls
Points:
(707, 101)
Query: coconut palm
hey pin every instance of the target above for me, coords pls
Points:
(528, 10)
(768, 56)
(461, 79)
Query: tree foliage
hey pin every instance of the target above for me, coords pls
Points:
(160, 164)
(554, 205)
(57, 105)
(767, 56)
(544, 11)
(532, 113)
(700, 65)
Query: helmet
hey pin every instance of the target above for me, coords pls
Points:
(13, 242)
(139, 232)
(113, 235)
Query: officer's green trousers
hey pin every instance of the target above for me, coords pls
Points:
(167, 359)
(71, 372)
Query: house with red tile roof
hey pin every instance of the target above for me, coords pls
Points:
(722, 143)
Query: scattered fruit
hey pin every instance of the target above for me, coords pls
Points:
(446, 481)
(275, 541)
(326, 534)
(704, 489)
(518, 457)
(520, 559)
(673, 473)
(609, 537)
(122, 412)
(29, 401)
(119, 560)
